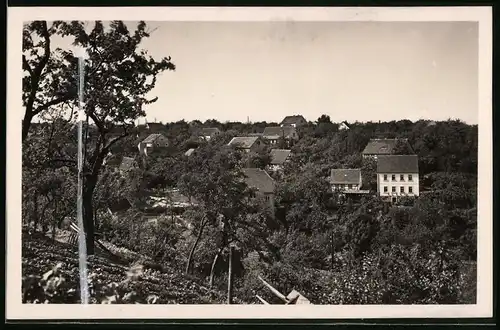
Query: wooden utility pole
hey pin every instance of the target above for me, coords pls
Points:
(230, 277)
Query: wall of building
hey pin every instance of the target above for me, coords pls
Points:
(406, 183)
(336, 187)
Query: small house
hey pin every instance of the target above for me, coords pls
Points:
(246, 143)
(278, 158)
(273, 134)
(152, 142)
(346, 179)
(397, 176)
(209, 133)
(381, 147)
(261, 181)
(295, 121)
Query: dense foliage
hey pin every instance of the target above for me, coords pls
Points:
(331, 249)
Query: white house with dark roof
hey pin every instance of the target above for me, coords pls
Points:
(274, 133)
(397, 176)
(295, 121)
(208, 133)
(151, 142)
(343, 179)
(246, 143)
(278, 158)
(262, 182)
(380, 147)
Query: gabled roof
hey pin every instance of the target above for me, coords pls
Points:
(259, 179)
(295, 119)
(152, 138)
(380, 147)
(277, 131)
(127, 163)
(279, 156)
(244, 142)
(345, 176)
(209, 131)
(345, 123)
(397, 164)
(189, 152)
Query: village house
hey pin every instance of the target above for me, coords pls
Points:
(397, 176)
(278, 158)
(343, 179)
(262, 182)
(273, 134)
(380, 147)
(246, 143)
(209, 132)
(295, 121)
(343, 126)
(152, 142)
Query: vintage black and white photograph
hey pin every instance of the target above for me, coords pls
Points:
(264, 162)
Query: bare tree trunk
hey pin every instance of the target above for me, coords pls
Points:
(35, 212)
(212, 270)
(193, 248)
(54, 223)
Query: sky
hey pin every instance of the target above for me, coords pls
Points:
(353, 71)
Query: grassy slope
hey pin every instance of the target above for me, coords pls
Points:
(40, 254)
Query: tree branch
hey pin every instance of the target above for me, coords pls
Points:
(47, 105)
(27, 66)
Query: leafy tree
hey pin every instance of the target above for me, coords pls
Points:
(118, 78)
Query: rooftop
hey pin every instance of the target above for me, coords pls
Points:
(152, 138)
(277, 131)
(259, 179)
(279, 156)
(288, 120)
(345, 176)
(397, 164)
(244, 142)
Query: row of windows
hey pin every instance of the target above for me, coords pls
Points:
(346, 186)
(401, 189)
(401, 177)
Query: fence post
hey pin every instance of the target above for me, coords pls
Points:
(230, 277)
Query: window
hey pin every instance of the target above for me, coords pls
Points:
(349, 186)
(393, 189)
(410, 190)
(385, 189)
(410, 177)
(393, 177)
(401, 177)
(385, 177)
(402, 190)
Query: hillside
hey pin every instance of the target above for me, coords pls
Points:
(110, 282)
